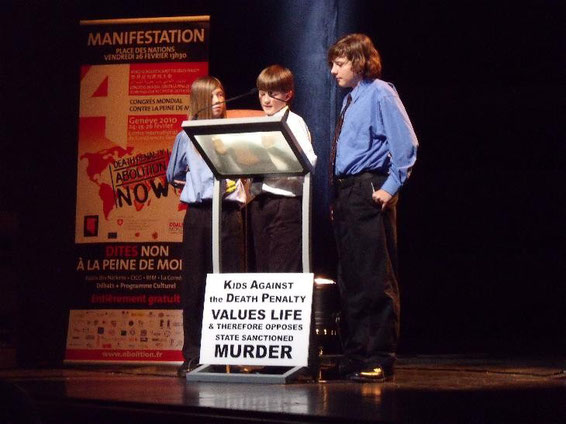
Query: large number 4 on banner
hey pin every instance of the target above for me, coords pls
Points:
(104, 92)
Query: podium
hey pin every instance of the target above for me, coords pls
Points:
(251, 147)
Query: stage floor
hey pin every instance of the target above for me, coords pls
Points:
(426, 389)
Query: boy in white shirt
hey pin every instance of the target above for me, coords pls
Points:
(275, 212)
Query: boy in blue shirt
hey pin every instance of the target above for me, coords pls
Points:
(373, 151)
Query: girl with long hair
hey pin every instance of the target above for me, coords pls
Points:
(187, 169)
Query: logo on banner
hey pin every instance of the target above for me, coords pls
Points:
(136, 179)
(175, 227)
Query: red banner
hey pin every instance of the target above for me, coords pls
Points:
(134, 95)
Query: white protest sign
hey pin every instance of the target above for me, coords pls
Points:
(257, 319)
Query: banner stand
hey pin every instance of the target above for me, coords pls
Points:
(271, 146)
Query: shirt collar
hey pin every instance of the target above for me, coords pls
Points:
(281, 112)
(360, 88)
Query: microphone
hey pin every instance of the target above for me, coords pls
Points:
(270, 94)
(249, 93)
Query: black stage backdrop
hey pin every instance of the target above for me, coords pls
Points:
(481, 220)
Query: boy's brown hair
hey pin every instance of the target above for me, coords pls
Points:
(200, 101)
(359, 49)
(276, 78)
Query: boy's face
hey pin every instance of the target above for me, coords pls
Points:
(217, 99)
(273, 101)
(344, 74)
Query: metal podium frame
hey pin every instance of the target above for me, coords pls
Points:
(198, 130)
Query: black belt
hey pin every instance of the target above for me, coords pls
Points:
(348, 180)
(268, 195)
(207, 204)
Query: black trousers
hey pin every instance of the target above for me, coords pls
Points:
(276, 224)
(366, 239)
(197, 263)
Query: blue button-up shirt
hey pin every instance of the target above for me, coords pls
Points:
(187, 168)
(376, 135)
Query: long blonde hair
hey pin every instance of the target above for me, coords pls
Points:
(200, 103)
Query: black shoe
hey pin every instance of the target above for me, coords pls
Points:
(348, 366)
(375, 374)
(186, 367)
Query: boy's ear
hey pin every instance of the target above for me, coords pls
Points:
(289, 95)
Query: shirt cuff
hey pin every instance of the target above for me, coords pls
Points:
(391, 186)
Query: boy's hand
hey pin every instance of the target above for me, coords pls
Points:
(381, 197)
(219, 146)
